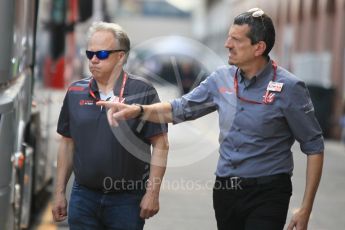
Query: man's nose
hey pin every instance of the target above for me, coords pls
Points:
(94, 58)
(228, 43)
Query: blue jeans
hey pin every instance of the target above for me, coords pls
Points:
(89, 209)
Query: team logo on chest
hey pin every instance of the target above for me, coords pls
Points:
(272, 87)
(86, 102)
(268, 97)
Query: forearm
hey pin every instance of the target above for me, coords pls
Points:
(155, 180)
(158, 112)
(313, 176)
(64, 164)
(158, 165)
(149, 204)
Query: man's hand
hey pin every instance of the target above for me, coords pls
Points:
(149, 205)
(60, 208)
(299, 220)
(119, 111)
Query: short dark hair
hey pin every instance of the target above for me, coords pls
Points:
(261, 29)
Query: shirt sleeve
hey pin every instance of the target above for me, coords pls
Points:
(152, 129)
(195, 104)
(301, 119)
(63, 126)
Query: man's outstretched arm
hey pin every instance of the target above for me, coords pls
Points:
(158, 112)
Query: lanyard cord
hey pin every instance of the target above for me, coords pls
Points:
(121, 91)
(274, 65)
(123, 87)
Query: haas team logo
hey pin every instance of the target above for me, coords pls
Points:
(86, 102)
(268, 97)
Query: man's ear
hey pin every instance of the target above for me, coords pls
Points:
(123, 57)
(122, 54)
(260, 48)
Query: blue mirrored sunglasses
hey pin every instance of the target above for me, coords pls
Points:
(101, 54)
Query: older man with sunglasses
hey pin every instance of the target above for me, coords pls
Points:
(262, 109)
(113, 167)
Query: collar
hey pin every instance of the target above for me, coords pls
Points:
(93, 85)
(261, 75)
(247, 83)
(116, 89)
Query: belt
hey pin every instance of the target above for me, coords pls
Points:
(239, 183)
(129, 190)
(116, 191)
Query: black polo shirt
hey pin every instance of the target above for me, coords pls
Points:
(103, 155)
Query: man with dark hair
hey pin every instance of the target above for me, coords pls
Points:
(262, 110)
(261, 28)
(113, 168)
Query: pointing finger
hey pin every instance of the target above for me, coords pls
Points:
(107, 104)
(112, 121)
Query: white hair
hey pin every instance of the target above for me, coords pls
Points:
(119, 34)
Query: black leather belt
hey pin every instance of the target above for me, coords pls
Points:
(238, 183)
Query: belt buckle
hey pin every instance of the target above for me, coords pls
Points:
(235, 183)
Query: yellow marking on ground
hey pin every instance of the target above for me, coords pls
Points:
(47, 222)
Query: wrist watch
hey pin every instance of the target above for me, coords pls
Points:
(141, 113)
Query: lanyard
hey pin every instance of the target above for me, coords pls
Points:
(265, 101)
(121, 99)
